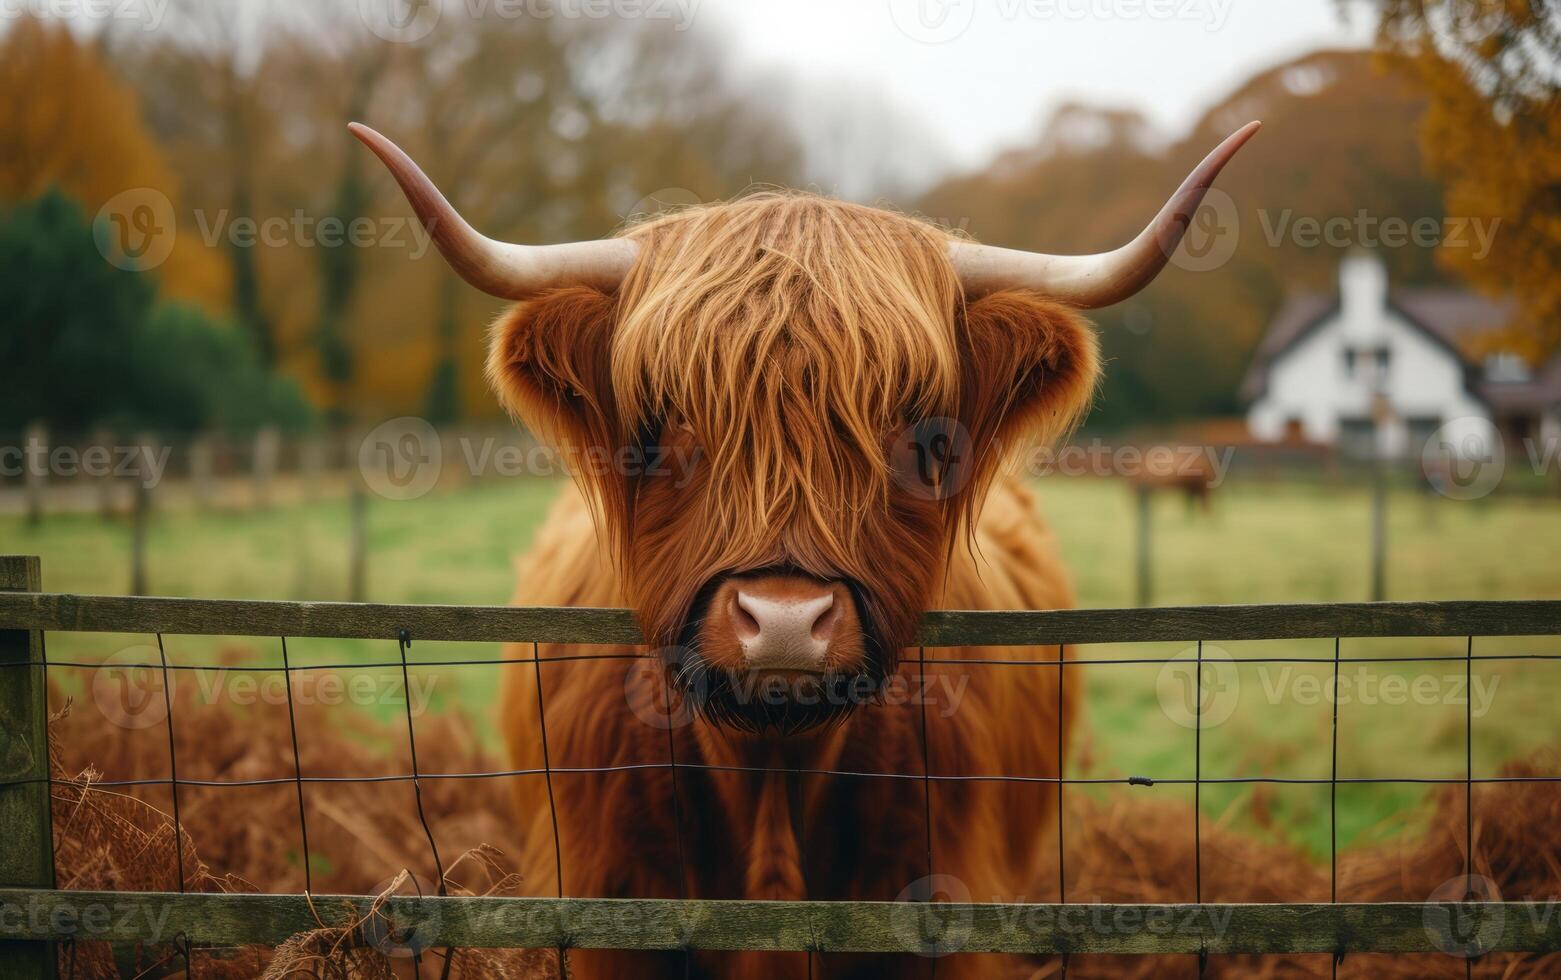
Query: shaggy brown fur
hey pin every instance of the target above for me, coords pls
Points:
(786, 340)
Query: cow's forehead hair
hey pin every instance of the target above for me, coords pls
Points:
(787, 301)
(793, 333)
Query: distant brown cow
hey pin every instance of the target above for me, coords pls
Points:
(783, 415)
(1187, 469)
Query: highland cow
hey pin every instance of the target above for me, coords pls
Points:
(834, 390)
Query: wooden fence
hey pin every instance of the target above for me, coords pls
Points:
(34, 915)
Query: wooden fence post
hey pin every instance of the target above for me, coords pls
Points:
(35, 470)
(268, 447)
(27, 857)
(1144, 548)
(1379, 528)
(201, 470)
(311, 466)
(357, 542)
(104, 482)
(140, 513)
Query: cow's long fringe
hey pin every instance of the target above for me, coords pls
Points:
(818, 357)
(363, 837)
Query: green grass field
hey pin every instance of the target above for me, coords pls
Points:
(1264, 542)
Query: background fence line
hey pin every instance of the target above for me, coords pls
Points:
(267, 468)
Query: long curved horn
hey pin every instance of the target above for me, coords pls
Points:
(1092, 281)
(499, 268)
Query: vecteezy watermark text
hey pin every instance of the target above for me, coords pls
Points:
(305, 230)
(939, 21)
(62, 915)
(655, 700)
(133, 690)
(403, 458)
(1100, 458)
(1203, 688)
(147, 13)
(36, 459)
(1366, 230)
(409, 21)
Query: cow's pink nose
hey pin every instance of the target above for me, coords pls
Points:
(784, 631)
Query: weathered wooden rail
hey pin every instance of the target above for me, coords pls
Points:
(827, 927)
(34, 915)
(375, 620)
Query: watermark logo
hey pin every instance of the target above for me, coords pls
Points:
(932, 21)
(400, 21)
(922, 926)
(647, 688)
(393, 929)
(933, 459)
(401, 459)
(1213, 232)
(1474, 923)
(1457, 26)
(1464, 459)
(135, 229)
(129, 688)
(1193, 697)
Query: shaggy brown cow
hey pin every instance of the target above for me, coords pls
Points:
(787, 417)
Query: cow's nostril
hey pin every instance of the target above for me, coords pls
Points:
(746, 624)
(824, 626)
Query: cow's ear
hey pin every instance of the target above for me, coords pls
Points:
(549, 363)
(1031, 365)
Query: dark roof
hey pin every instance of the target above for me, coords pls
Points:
(1296, 318)
(1521, 397)
(1452, 317)
(1452, 314)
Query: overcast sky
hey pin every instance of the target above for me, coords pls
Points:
(982, 73)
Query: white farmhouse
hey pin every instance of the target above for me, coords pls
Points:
(1377, 368)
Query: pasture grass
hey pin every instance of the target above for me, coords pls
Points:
(1263, 542)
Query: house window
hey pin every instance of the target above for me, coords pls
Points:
(1367, 363)
(1505, 368)
(1420, 430)
(1357, 437)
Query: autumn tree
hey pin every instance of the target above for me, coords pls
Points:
(538, 129)
(69, 122)
(86, 343)
(546, 131)
(203, 101)
(1338, 140)
(1492, 134)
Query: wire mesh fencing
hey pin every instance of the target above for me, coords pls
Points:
(1465, 924)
